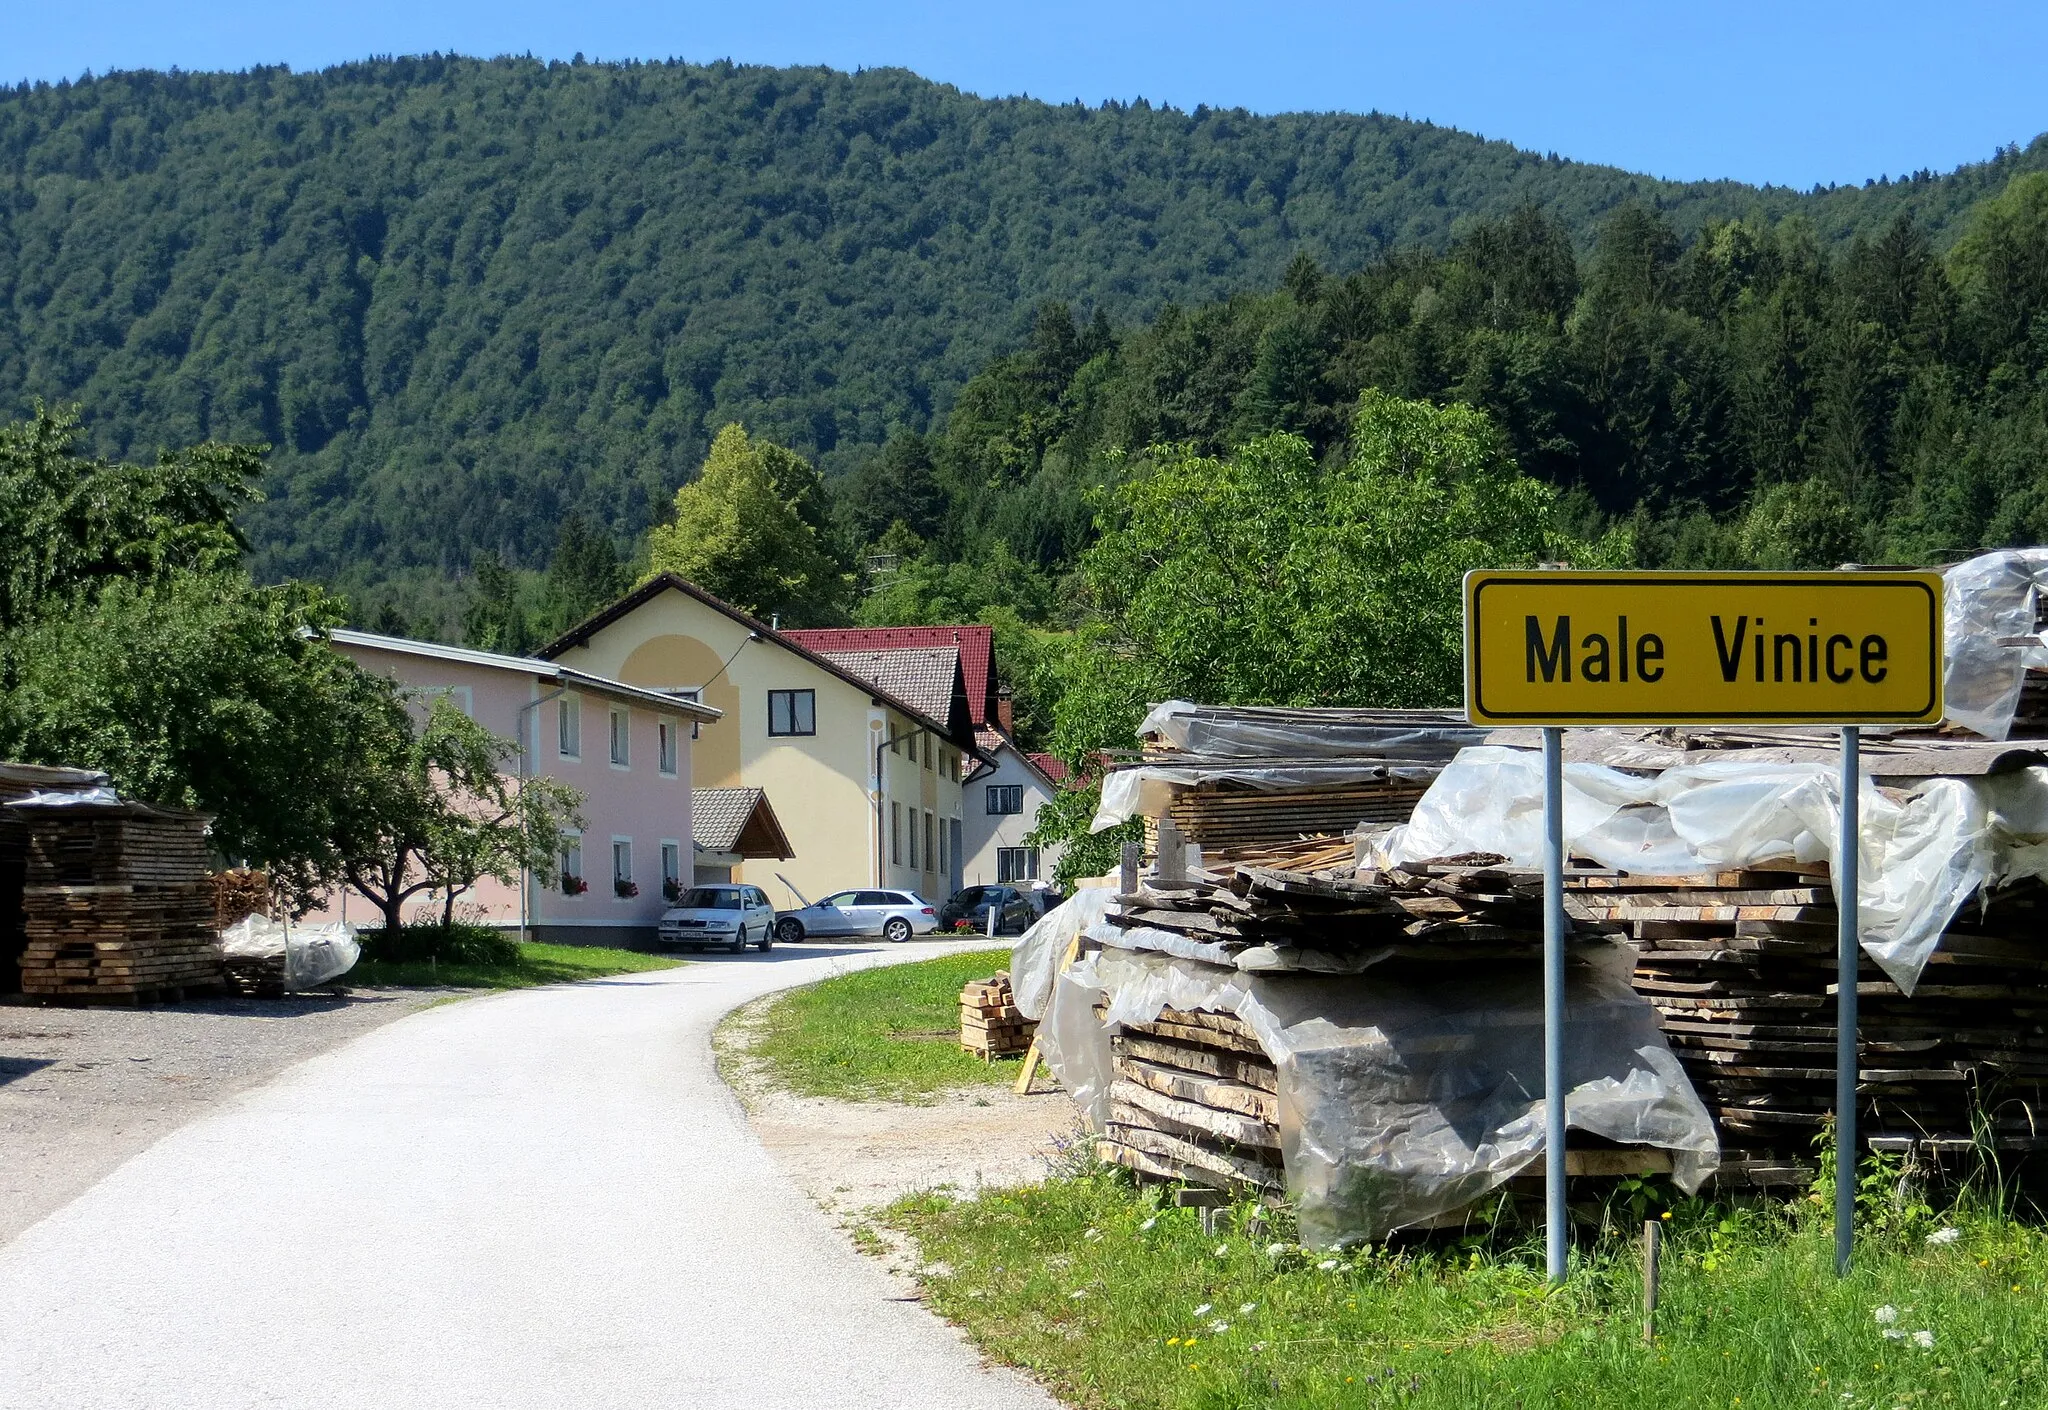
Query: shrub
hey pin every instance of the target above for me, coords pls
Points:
(452, 944)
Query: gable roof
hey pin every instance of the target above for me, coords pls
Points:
(928, 677)
(959, 731)
(527, 666)
(976, 644)
(737, 820)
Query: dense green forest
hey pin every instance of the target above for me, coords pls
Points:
(1754, 397)
(461, 299)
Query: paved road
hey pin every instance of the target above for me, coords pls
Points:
(544, 1199)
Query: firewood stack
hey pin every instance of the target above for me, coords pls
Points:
(119, 903)
(1741, 969)
(990, 1024)
(238, 893)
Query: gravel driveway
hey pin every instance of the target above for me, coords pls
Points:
(81, 1090)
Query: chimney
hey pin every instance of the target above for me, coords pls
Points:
(1005, 711)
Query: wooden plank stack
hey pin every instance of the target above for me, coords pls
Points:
(1195, 1100)
(991, 1026)
(1226, 821)
(1741, 969)
(119, 905)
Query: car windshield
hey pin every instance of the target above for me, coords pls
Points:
(710, 898)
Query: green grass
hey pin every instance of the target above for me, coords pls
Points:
(1090, 1285)
(537, 964)
(889, 1034)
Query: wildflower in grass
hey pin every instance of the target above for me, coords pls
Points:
(1219, 1327)
(1078, 1293)
(1245, 1309)
(1092, 1235)
(1222, 1249)
(1924, 1339)
(1327, 1265)
(1886, 1315)
(1278, 1250)
(1258, 1346)
(1941, 1238)
(1202, 1310)
(1148, 1223)
(1893, 1334)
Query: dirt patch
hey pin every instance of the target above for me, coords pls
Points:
(81, 1090)
(855, 1156)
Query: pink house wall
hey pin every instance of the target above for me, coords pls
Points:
(636, 802)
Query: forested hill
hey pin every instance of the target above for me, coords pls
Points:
(460, 298)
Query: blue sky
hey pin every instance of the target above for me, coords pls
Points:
(1785, 92)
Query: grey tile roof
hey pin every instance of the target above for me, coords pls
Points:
(719, 815)
(922, 676)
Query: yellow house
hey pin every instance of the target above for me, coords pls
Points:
(860, 754)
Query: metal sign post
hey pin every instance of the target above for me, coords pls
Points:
(1555, 1233)
(1847, 957)
(1556, 647)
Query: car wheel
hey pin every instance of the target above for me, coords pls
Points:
(767, 938)
(896, 931)
(789, 930)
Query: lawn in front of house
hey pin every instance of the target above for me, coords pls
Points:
(887, 1034)
(527, 965)
(1111, 1299)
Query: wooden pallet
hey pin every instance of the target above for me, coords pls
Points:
(991, 1026)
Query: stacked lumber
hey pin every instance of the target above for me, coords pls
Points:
(1225, 820)
(1195, 1100)
(1740, 967)
(119, 905)
(1453, 910)
(991, 1025)
(254, 976)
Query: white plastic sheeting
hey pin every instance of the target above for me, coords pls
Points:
(1399, 1101)
(1925, 849)
(1988, 630)
(313, 954)
(1260, 732)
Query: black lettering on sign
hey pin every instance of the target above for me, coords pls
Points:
(1553, 658)
(1649, 651)
(1847, 673)
(1729, 652)
(1778, 656)
(1594, 667)
(1874, 654)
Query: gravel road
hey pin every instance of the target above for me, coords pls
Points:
(81, 1090)
(537, 1199)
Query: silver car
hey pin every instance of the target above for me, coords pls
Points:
(893, 915)
(733, 916)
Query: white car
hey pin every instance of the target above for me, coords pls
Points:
(893, 915)
(733, 916)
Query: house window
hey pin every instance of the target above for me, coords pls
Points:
(666, 734)
(942, 850)
(931, 827)
(671, 869)
(622, 868)
(621, 740)
(927, 752)
(792, 712)
(1016, 864)
(569, 714)
(1005, 798)
(572, 863)
(913, 839)
(896, 833)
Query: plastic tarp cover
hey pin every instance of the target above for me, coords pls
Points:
(1244, 733)
(1402, 1101)
(313, 954)
(1924, 850)
(1035, 958)
(1147, 790)
(1988, 606)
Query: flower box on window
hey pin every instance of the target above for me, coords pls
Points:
(573, 885)
(672, 890)
(624, 889)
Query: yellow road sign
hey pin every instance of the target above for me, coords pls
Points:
(1591, 648)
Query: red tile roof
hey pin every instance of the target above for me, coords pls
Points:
(976, 643)
(1051, 765)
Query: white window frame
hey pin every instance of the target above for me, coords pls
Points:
(671, 850)
(1004, 790)
(928, 767)
(569, 726)
(1027, 855)
(571, 858)
(621, 737)
(463, 697)
(668, 747)
(621, 846)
